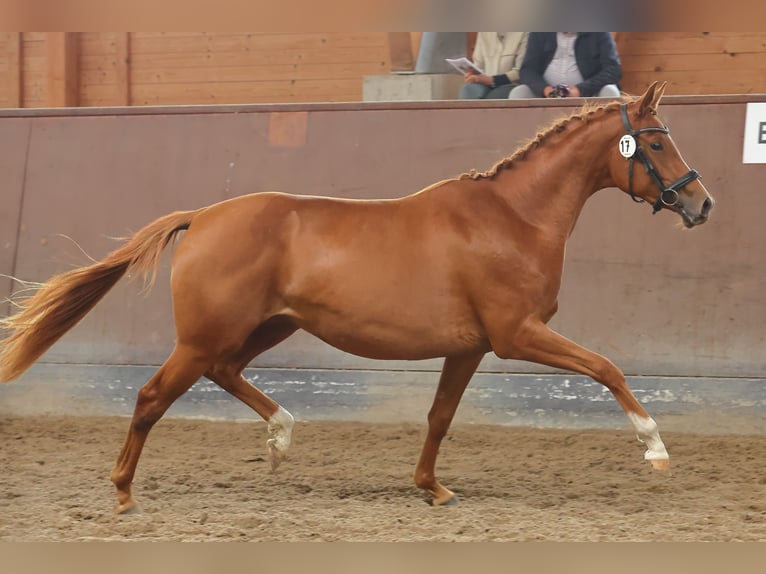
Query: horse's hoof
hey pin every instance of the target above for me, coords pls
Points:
(130, 507)
(454, 501)
(451, 500)
(661, 465)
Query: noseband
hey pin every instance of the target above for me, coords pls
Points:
(668, 195)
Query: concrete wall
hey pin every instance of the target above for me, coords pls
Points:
(655, 298)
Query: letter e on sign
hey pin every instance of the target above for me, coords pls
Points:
(754, 149)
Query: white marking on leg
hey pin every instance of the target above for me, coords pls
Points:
(280, 430)
(646, 429)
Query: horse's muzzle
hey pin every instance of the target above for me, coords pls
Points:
(691, 219)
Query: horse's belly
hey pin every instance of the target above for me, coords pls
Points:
(380, 337)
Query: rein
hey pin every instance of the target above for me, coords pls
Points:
(668, 195)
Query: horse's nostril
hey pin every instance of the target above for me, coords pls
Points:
(707, 205)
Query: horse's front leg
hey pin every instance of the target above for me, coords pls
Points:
(538, 343)
(456, 374)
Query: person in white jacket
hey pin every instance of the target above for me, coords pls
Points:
(499, 56)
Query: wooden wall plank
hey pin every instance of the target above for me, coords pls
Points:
(699, 62)
(694, 62)
(101, 43)
(34, 46)
(63, 73)
(692, 82)
(281, 90)
(34, 69)
(123, 68)
(15, 89)
(262, 72)
(292, 56)
(670, 43)
(163, 68)
(400, 51)
(104, 61)
(259, 44)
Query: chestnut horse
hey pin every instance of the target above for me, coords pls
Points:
(464, 267)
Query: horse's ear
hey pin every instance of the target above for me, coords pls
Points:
(651, 98)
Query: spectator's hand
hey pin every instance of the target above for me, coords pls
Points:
(478, 79)
(561, 91)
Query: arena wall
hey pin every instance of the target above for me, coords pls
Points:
(657, 299)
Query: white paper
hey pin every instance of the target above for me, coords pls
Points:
(464, 65)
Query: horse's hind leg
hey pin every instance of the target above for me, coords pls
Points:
(228, 375)
(456, 374)
(174, 378)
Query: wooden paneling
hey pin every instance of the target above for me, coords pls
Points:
(366, 56)
(13, 92)
(165, 68)
(400, 51)
(660, 43)
(122, 65)
(34, 80)
(258, 72)
(243, 68)
(694, 63)
(104, 72)
(313, 45)
(63, 69)
(277, 90)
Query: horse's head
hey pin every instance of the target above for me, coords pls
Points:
(647, 164)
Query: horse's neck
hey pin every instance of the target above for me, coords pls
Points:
(549, 188)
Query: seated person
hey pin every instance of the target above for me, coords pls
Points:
(569, 64)
(499, 55)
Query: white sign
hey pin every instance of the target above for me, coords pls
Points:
(754, 150)
(627, 146)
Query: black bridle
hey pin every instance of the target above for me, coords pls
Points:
(668, 195)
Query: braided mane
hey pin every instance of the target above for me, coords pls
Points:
(586, 114)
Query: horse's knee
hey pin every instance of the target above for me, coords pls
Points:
(607, 373)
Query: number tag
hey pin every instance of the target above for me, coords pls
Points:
(627, 146)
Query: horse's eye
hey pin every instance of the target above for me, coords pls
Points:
(656, 146)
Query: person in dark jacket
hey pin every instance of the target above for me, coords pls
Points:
(569, 64)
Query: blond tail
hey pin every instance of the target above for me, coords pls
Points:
(59, 304)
